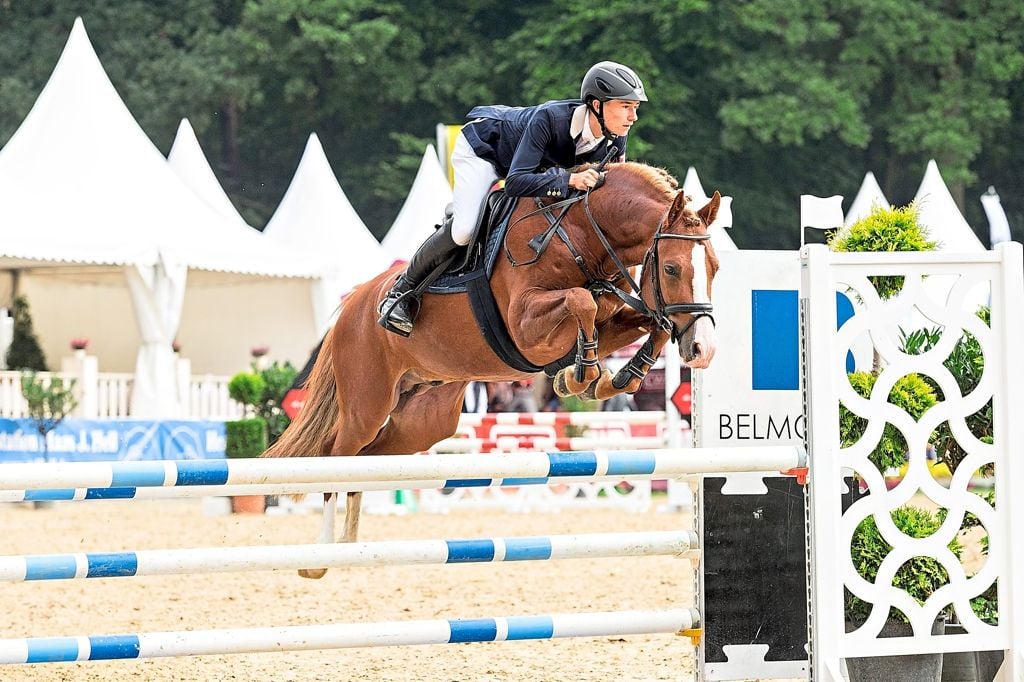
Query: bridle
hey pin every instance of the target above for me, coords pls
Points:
(598, 286)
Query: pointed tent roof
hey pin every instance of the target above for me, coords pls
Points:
(423, 207)
(720, 239)
(81, 182)
(868, 196)
(191, 165)
(315, 217)
(939, 213)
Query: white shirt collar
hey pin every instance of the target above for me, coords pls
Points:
(580, 130)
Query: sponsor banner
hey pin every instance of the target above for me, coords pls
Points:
(93, 440)
(750, 395)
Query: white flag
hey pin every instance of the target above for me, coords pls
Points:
(998, 226)
(823, 213)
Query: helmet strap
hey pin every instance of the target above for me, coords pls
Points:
(598, 111)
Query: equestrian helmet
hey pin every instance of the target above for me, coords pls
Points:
(611, 80)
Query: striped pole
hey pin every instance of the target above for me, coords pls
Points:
(396, 553)
(340, 636)
(512, 469)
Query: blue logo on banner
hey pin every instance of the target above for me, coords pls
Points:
(775, 328)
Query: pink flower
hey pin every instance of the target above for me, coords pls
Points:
(79, 343)
(175, 346)
(259, 351)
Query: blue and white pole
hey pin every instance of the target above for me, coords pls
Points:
(394, 553)
(340, 636)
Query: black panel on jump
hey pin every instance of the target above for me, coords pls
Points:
(755, 570)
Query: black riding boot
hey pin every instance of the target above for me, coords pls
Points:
(398, 309)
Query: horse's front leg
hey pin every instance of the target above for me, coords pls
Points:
(629, 378)
(548, 322)
(624, 328)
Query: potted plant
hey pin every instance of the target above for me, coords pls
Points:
(246, 438)
(919, 577)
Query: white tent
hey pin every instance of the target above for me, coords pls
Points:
(868, 197)
(423, 208)
(939, 213)
(316, 218)
(720, 239)
(86, 201)
(191, 165)
(277, 313)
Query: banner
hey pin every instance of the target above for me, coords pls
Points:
(94, 440)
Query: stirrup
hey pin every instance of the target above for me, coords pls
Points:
(386, 308)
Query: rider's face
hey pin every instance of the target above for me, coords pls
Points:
(619, 115)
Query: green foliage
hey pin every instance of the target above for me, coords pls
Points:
(966, 363)
(262, 391)
(247, 388)
(769, 99)
(886, 228)
(25, 351)
(48, 402)
(246, 438)
(919, 577)
(911, 393)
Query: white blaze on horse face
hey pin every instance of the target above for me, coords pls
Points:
(703, 330)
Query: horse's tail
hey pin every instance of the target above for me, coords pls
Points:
(312, 432)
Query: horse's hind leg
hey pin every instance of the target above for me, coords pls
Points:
(326, 533)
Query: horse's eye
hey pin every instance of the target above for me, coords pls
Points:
(671, 270)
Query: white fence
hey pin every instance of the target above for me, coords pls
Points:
(107, 395)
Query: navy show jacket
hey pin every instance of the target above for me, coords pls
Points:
(531, 146)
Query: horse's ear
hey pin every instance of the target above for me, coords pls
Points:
(678, 204)
(710, 211)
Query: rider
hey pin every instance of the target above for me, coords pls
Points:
(531, 147)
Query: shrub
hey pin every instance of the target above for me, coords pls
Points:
(885, 229)
(247, 388)
(262, 391)
(966, 363)
(911, 393)
(246, 438)
(919, 577)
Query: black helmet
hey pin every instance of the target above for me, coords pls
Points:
(611, 80)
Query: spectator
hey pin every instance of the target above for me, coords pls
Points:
(475, 401)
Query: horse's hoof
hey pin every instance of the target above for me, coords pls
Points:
(314, 573)
(560, 386)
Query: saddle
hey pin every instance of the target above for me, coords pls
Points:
(481, 252)
(470, 272)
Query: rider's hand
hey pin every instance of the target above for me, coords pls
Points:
(584, 179)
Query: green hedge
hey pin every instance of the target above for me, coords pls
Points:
(246, 438)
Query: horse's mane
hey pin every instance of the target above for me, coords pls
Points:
(661, 179)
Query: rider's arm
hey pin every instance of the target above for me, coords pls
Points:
(524, 179)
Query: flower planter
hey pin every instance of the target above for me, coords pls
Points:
(249, 504)
(913, 668)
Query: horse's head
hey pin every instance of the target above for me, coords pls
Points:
(677, 275)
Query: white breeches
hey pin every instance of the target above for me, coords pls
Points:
(473, 178)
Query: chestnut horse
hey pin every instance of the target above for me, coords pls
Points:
(374, 392)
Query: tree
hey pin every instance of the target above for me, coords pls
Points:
(48, 403)
(25, 351)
